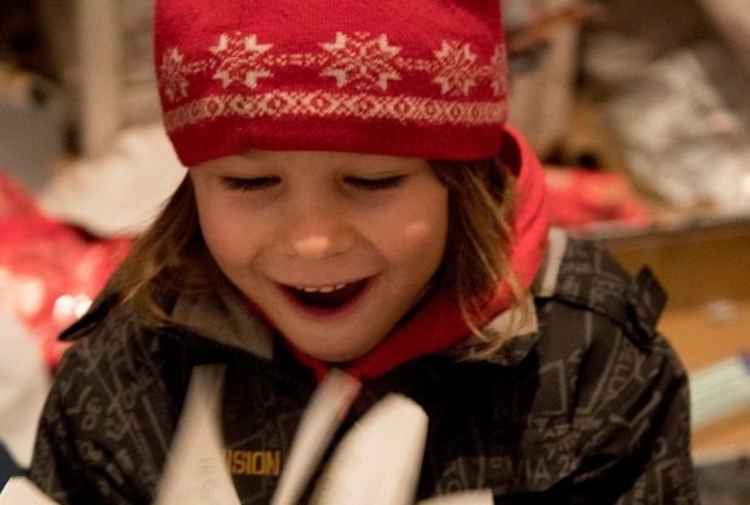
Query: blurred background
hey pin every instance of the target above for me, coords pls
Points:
(640, 111)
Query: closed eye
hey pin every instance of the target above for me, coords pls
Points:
(249, 184)
(376, 184)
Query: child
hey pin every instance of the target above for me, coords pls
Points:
(355, 201)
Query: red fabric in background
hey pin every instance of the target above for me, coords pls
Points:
(49, 271)
(584, 200)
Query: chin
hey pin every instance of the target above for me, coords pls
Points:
(341, 355)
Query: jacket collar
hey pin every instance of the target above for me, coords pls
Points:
(523, 337)
(223, 316)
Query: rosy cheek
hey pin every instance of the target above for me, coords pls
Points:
(416, 231)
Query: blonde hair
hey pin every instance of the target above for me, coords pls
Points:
(171, 256)
(478, 252)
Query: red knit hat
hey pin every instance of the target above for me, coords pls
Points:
(423, 78)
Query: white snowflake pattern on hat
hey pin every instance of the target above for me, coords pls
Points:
(361, 59)
(240, 60)
(173, 75)
(362, 66)
(499, 71)
(458, 68)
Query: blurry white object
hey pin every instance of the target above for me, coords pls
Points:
(720, 391)
(120, 193)
(24, 383)
(468, 498)
(722, 311)
(681, 139)
(363, 470)
(21, 491)
(196, 471)
(327, 408)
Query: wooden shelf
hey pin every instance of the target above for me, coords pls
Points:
(698, 260)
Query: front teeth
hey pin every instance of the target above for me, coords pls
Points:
(323, 289)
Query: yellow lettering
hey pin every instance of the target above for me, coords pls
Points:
(238, 463)
(258, 463)
(254, 462)
(274, 467)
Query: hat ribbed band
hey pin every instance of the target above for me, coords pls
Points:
(234, 135)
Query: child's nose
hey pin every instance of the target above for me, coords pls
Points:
(322, 246)
(316, 247)
(320, 234)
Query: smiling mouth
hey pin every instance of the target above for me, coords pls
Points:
(329, 299)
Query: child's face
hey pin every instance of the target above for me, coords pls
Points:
(279, 221)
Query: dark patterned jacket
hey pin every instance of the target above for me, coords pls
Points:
(589, 405)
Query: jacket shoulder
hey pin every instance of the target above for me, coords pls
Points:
(591, 279)
(611, 390)
(598, 328)
(109, 417)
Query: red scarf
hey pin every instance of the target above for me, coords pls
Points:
(439, 325)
